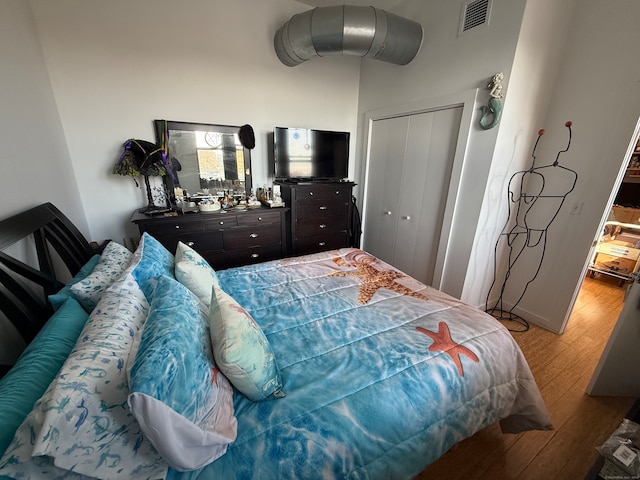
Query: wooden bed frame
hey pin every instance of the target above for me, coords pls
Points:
(23, 288)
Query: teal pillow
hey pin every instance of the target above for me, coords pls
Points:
(183, 404)
(29, 378)
(241, 349)
(151, 260)
(57, 299)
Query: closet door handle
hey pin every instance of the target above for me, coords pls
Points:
(387, 212)
(322, 225)
(253, 235)
(323, 208)
(406, 217)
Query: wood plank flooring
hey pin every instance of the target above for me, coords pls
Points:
(562, 366)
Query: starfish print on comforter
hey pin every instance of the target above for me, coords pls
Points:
(372, 279)
(442, 341)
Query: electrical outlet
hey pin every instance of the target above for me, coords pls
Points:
(576, 208)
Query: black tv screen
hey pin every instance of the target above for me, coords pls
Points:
(303, 153)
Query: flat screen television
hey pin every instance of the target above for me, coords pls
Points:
(305, 154)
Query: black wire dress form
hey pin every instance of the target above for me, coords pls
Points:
(535, 197)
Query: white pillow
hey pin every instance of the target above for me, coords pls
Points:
(195, 273)
(113, 261)
(241, 349)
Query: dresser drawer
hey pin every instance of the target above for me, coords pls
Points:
(242, 237)
(220, 221)
(201, 242)
(173, 227)
(331, 208)
(266, 217)
(311, 227)
(315, 193)
(319, 243)
(260, 253)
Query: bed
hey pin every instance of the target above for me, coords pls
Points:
(148, 364)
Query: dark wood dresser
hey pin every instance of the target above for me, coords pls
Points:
(319, 215)
(224, 239)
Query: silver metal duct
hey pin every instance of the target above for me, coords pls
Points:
(348, 30)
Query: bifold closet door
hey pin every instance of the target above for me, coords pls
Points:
(410, 161)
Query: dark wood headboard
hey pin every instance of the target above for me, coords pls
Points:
(26, 307)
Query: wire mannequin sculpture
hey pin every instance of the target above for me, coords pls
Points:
(535, 197)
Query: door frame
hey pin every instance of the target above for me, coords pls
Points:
(467, 100)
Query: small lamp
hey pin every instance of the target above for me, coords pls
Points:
(142, 158)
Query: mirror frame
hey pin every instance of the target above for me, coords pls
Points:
(173, 125)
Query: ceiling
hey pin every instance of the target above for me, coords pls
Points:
(381, 4)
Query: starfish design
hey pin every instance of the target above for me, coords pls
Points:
(214, 375)
(372, 279)
(442, 342)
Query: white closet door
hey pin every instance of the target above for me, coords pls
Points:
(388, 143)
(410, 161)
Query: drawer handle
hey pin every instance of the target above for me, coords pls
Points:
(221, 222)
(388, 212)
(322, 244)
(406, 217)
(190, 244)
(259, 219)
(337, 192)
(255, 255)
(177, 226)
(253, 235)
(323, 208)
(311, 193)
(322, 225)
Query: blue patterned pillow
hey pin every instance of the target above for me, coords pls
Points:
(82, 422)
(88, 291)
(151, 260)
(181, 401)
(57, 299)
(242, 350)
(195, 273)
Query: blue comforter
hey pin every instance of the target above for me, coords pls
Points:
(382, 375)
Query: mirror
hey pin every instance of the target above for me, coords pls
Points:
(205, 156)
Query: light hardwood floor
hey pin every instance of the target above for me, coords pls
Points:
(562, 366)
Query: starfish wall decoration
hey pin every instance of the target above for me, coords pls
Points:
(443, 342)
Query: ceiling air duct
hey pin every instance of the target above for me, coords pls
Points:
(348, 30)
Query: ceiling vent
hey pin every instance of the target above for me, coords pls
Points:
(475, 14)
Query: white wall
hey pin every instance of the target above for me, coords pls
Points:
(538, 59)
(446, 64)
(34, 158)
(116, 66)
(598, 87)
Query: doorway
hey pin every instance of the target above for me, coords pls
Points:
(620, 191)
